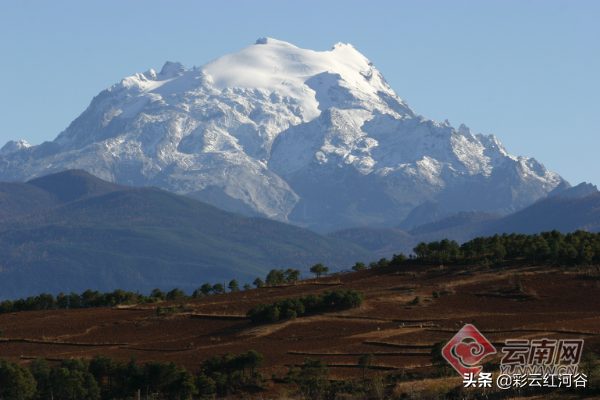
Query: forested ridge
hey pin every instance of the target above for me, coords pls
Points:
(579, 247)
(138, 238)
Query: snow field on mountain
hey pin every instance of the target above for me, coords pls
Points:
(287, 133)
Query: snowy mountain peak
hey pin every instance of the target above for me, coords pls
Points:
(313, 80)
(317, 138)
(341, 46)
(11, 147)
(150, 74)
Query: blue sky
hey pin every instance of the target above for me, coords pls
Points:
(525, 71)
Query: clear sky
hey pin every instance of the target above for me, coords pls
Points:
(525, 71)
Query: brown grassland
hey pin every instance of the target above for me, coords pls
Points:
(554, 303)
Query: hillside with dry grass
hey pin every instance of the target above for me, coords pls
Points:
(516, 300)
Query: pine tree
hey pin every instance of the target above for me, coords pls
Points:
(275, 276)
(258, 283)
(206, 289)
(292, 275)
(205, 385)
(319, 269)
(254, 360)
(233, 286)
(314, 373)
(41, 373)
(218, 288)
(365, 362)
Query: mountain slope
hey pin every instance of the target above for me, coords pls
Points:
(427, 212)
(375, 239)
(52, 190)
(17, 198)
(315, 138)
(565, 214)
(465, 220)
(142, 238)
(581, 190)
(74, 185)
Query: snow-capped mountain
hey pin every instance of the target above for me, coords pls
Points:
(314, 138)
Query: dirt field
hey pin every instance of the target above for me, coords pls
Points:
(553, 304)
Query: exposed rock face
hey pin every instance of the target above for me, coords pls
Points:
(314, 138)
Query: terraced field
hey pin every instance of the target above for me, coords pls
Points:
(552, 304)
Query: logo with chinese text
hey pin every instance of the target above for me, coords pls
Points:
(541, 356)
(467, 348)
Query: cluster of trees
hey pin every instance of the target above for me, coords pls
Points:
(15, 381)
(579, 247)
(87, 299)
(442, 250)
(276, 276)
(90, 298)
(290, 308)
(103, 377)
(397, 259)
(313, 375)
(221, 375)
(218, 288)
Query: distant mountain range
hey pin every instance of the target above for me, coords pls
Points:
(318, 139)
(71, 231)
(565, 214)
(431, 211)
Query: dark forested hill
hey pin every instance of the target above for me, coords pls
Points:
(78, 232)
(18, 198)
(74, 184)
